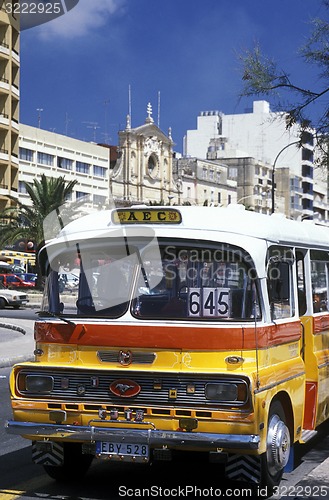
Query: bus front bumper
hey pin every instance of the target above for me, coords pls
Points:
(182, 440)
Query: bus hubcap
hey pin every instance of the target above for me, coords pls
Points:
(278, 445)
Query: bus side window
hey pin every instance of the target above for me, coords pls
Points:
(300, 273)
(319, 279)
(280, 289)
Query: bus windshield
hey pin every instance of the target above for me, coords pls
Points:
(207, 281)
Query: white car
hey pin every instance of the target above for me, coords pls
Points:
(13, 298)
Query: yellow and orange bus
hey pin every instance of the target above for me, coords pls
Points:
(193, 329)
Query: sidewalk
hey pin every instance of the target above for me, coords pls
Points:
(15, 346)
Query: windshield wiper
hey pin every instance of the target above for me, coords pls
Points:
(53, 315)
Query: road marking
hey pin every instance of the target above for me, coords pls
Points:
(24, 489)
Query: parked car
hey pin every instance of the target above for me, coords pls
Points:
(12, 298)
(28, 277)
(14, 281)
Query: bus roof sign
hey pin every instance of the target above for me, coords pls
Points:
(146, 216)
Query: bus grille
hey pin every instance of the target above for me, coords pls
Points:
(156, 389)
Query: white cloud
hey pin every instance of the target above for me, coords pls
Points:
(82, 20)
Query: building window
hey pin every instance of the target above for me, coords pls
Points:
(99, 171)
(22, 187)
(25, 154)
(83, 168)
(233, 172)
(98, 199)
(307, 188)
(307, 204)
(307, 171)
(307, 138)
(219, 197)
(80, 195)
(307, 155)
(64, 163)
(45, 159)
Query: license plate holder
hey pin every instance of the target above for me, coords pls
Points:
(134, 452)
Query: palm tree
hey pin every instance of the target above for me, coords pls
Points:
(27, 221)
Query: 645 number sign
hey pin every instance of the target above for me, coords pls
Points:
(209, 302)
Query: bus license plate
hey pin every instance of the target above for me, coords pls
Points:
(122, 449)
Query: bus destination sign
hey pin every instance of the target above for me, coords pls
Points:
(146, 216)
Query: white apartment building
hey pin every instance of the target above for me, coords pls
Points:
(55, 155)
(262, 134)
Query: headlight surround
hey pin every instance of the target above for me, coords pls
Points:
(227, 392)
(36, 384)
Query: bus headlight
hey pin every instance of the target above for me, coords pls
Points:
(227, 392)
(222, 392)
(39, 384)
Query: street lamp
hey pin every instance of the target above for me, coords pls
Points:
(244, 197)
(262, 194)
(273, 171)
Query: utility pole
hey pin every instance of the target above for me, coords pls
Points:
(39, 110)
(94, 126)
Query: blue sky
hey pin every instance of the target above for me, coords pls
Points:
(78, 68)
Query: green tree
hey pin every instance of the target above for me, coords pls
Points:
(263, 77)
(27, 221)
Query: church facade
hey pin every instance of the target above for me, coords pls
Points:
(144, 168)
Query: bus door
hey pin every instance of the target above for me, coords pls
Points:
(317, 341)
(312, 280)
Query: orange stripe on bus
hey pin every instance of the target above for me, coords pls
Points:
(168, 337)
(320, 323)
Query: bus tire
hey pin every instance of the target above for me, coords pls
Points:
(278, 445)
(75, 466)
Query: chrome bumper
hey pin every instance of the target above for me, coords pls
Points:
(152, 437)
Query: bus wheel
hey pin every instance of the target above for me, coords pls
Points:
(278, 443)
(75, 465)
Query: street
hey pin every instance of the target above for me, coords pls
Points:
(20, 478)
(23, 313)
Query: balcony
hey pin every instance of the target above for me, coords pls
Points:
(4, 50)
(15, 90)
(4, 156)
(14, 124)
(15, 56)
(4, 120)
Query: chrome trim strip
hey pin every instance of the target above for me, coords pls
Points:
(152, 437)
(323, 365)
(270, 386)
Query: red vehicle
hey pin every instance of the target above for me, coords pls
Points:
(13, 281)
